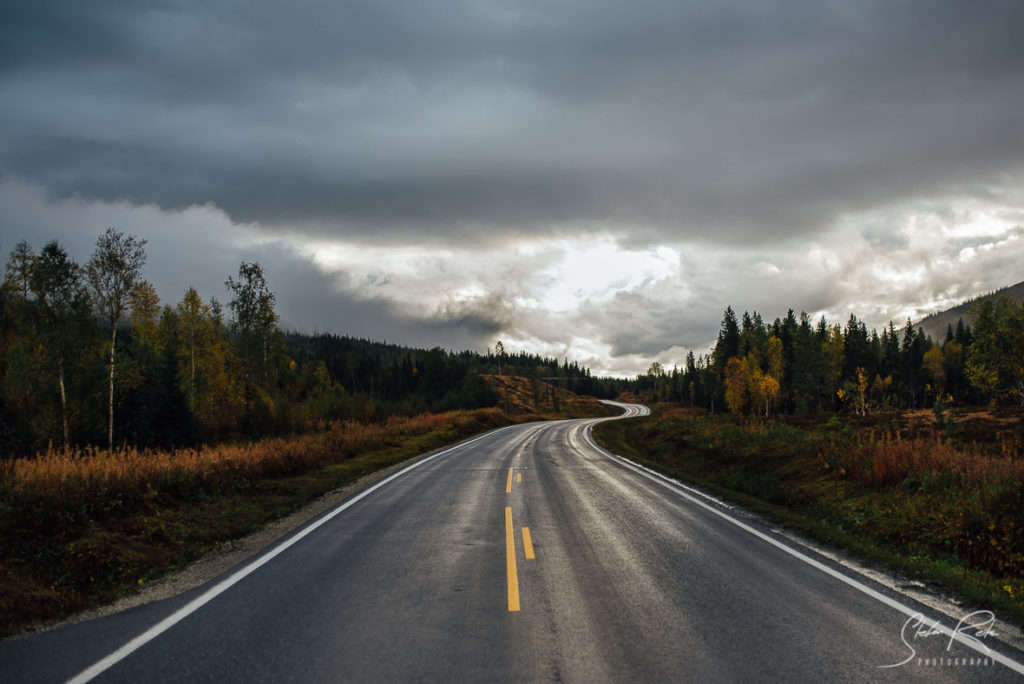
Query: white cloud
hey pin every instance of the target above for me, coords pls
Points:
(612, 305)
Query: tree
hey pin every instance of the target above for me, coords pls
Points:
(499, 351)
(736, 381)
(62, 303)
(806, 383)
(756, 385)
(858, 390)
(19, 271)
(193, 315)
(254, 321)
(772, 382)
(728, 344)
(746, 387)
(862, 391)
(912, 352)
(145, 305)
(204, 366)
(933, 365)
(880, 389)
(114, 272)
(690, 378)
(727, 347)
(769, 390)
(953, 364)
(832, 354)
(856, 348)
(996, 360)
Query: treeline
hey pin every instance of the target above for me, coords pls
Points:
(793, 365)
(89, 356)
(409, 381)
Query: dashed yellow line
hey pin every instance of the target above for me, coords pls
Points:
(510, 562)
(528, 544)
(508, 485)
(519, 477)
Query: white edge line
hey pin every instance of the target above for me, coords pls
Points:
(892, 603)
(213, 592)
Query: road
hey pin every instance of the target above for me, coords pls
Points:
(527, 554)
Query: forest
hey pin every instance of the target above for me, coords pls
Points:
(793, 365)
(89, 356)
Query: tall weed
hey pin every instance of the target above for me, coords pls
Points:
(71, 488)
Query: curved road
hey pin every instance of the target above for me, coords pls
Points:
(526, 554)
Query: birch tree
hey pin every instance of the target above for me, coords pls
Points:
(114, 273)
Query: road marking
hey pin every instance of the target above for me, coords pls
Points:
(510, 562)
(519, 477)
(519, 454)
(960, 635)
(508, 485)
(213, 592)
(528, 543)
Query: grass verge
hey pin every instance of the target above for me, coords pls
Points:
(938, 510)
(82, 529)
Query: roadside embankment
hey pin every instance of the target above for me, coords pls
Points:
(911, 492)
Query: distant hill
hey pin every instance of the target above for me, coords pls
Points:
(936, 325)
(520, 395)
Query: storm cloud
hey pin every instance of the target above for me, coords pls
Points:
(750, 134)
(461, 116)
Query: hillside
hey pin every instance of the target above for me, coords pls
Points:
(518, 396)
(936, 324)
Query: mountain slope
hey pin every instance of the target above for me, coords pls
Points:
(936, 324)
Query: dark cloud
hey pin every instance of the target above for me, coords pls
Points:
(778, 147)
(200, 248)
(311, 301)
(379, 120)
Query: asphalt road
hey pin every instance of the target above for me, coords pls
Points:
(527, 554)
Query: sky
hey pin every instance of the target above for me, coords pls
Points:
(582, 179)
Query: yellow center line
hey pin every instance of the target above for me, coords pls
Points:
(519, 454)
(508, 485)
(519, 477)
(528, 543)
(510, 560)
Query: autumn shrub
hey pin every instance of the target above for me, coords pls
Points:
(968, 499)
(946, 498)
(67, 489)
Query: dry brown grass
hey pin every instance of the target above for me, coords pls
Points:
(670, 411)
(887, 461)
(95, 474)
(79, 528)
